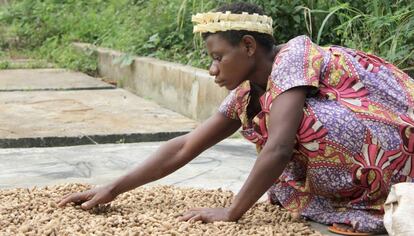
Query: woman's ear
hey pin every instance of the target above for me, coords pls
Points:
(249, 43)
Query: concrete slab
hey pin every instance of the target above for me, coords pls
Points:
(226, 165)
(60, 118)
(47, 79)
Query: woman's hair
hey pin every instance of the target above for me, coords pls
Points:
(234, 36)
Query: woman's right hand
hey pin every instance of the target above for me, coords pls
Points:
(90, 198)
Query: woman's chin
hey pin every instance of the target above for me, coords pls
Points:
(229, 87)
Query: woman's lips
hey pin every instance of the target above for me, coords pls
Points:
(219, 82)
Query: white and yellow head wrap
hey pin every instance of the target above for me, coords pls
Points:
(218, 21)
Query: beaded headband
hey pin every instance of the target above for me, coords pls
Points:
(218, 21)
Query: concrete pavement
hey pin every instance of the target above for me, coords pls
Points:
(48, 79)
(86, 111)
(225, 165)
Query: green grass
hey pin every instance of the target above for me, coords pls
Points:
(33, 64)
(163, 29)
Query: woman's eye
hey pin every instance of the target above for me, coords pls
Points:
(217, 58)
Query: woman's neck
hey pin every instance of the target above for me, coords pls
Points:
(264, 68)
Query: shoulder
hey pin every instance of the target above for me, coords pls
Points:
(292, 54)
(300, 40)
(298, 63)
(295, 47)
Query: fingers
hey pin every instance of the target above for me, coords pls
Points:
(186, 216)
(74, 197)
(195, 218)
(66, 199)
(197, 209)
(61, 199)
(79, 198)
(90, 204)
(192, 215)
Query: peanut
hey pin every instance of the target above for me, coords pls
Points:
(144, 211)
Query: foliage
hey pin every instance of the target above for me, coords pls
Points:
(163, 29)
(384, 28)
(4, 65)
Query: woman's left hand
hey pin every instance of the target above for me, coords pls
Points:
(207, 215)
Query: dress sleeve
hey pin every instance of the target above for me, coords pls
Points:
(299, 63)
(228, 106)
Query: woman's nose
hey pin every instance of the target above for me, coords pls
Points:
(213, 69)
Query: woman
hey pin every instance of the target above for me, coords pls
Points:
(334, 127)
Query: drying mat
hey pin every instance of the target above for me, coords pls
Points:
(143, 211)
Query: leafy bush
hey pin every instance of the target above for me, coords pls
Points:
(163, 29)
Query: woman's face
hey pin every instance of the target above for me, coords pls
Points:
(231, 65)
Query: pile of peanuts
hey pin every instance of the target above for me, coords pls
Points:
(143, 211)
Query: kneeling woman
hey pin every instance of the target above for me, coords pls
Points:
(334, 127)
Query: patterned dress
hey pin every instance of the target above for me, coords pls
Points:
(355, 140)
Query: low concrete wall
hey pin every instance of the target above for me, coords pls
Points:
(184, 89)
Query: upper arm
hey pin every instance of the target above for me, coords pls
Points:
(285, 117)
(210, 132)
(296, 71)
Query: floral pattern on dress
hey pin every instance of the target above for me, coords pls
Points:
(342, 83)
(311, 136)
(371, 172)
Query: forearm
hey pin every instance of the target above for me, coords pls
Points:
(167, 159)
(267, 168)
(176, 153)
